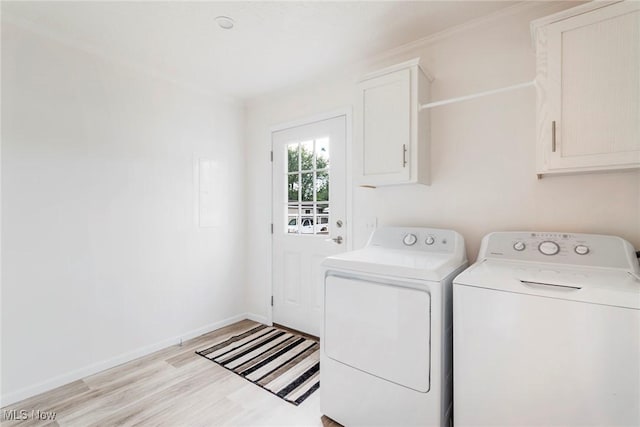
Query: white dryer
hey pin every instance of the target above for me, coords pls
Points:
(387, 332)
(547, 332)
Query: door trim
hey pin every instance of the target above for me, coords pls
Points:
(347, 112)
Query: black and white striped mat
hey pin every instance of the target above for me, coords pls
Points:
(286, 364)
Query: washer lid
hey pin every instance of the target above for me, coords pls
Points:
(430, 266)
(591, 285)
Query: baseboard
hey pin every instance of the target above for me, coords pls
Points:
(60, 380)
(258, 318)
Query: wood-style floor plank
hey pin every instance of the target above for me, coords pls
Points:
(173, 386)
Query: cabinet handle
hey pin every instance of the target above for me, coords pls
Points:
(404, 155)
(553, 136)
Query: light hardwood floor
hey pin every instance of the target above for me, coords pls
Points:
(171, 387)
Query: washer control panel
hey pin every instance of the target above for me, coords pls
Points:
(563, 248)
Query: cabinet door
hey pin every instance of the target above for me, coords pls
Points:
(594, 89)
(386, 115)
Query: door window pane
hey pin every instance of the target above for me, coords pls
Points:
(307, 210)
(293, 160)
(306, 156)
(321, 185)
(322, 208)
(293, 188)
(306, 225)
(322, 218)
(322, 153)
(292, 224)
(308, 187)
(322, 223)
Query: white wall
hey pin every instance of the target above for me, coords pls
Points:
(483, 151)
(102, 259)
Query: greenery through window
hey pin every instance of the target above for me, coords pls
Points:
(308, 187)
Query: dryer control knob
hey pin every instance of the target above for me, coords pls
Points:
(549, 248)
(581, 249)
(519, 246)
(410, 239)
(430, 240)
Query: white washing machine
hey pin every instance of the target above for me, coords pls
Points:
(547, 332)
(386, 342)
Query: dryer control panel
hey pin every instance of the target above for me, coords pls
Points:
(417, 239)
(562, 248)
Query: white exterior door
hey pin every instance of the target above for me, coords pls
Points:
(309, 221)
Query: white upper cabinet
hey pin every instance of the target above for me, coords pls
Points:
(391, 134)
(588, 75)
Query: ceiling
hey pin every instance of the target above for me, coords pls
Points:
(273, 44)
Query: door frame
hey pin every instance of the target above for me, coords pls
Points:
(347, 112)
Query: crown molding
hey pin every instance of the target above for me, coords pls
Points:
(567, 13)
(498, 15)
(415, 62)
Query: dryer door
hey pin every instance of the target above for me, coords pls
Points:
(381, 329)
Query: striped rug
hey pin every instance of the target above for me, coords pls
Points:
(286, 364)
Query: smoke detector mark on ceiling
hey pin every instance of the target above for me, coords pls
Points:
(225, 22)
